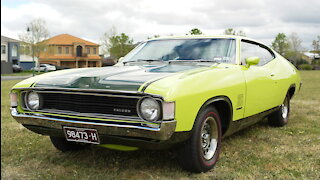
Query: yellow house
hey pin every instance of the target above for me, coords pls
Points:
(69, 51)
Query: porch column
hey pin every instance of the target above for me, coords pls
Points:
(76, 63)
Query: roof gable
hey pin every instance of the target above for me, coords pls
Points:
(67, 39)
(5, 39)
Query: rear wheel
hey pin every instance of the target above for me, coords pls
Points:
(280, 117)
(201, 151)
(63, 145)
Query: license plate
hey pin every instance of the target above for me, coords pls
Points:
(83, 135)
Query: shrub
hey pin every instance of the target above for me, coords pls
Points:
(305, 67)
(316, 67)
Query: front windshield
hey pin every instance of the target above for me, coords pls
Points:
(218, 50)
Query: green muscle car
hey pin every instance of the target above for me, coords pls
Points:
(181, 92)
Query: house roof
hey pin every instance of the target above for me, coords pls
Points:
(67, 39)
(53, 57)
(5, 39)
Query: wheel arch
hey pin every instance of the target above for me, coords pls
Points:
(291, 90)
(224, 107)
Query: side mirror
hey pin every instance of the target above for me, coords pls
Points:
(120, 60)
(119, 63)
(252, 61)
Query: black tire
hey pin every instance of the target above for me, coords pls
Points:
(280, 117)
(192, 155)
(63, 145)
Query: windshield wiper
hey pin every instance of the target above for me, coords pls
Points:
(148, 60)
(143, 60)
(194, 60)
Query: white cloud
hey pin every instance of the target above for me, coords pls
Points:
(260, 19)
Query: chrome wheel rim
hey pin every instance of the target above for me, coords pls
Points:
(209, 138)
(284, 110)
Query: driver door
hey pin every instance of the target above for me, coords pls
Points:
(260, 83)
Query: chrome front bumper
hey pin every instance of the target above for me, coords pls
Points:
(46, 125)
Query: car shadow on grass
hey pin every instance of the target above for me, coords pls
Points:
(151, 161)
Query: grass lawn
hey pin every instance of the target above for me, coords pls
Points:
(258, 152)
(23, 73)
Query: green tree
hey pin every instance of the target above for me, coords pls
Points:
(316, 44)
(231, 31)
(294, 53)
(120, 45)
(195, 31)
(33, 41)
(154, 36)
(114, 44)
(280, 44)
(105, 44)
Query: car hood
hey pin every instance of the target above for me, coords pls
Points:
(126, 78)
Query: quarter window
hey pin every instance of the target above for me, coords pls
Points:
(251, 49)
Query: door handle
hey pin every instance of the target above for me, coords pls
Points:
(272, 74)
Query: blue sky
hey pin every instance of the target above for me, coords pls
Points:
(259, 19)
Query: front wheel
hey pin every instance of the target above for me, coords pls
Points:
(63, 145)
(280, 117)
(200, 153)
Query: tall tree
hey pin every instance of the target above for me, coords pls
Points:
(231, 31)
(120, 45)
(316, 44)
(294, 52)
(195, 31)
(33, 41)
(280, 44)
(294, 42)
(105, 40)
(241, 33)
(154, 36)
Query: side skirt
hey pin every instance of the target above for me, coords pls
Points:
(240, 124)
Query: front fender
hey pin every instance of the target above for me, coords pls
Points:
(191, 92)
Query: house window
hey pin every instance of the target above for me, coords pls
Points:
(15, 50)
(59, 50)
(3, 49)
(67, 50)
(88, 50)
(94, 50)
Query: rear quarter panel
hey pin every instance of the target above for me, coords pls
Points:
(286, 76)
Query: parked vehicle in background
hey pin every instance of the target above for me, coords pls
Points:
(16, 68)
(44, 68)
(59, 67)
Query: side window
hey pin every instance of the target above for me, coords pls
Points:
(250, 49)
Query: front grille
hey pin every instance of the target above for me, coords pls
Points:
(97, 104)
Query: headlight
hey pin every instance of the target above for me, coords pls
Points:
(149, 109)
(33, 100)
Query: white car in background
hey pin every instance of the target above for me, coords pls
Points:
(44, 68)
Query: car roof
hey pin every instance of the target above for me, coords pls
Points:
(208, 36)
(204, 36)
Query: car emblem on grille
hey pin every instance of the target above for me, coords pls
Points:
(121, 110)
